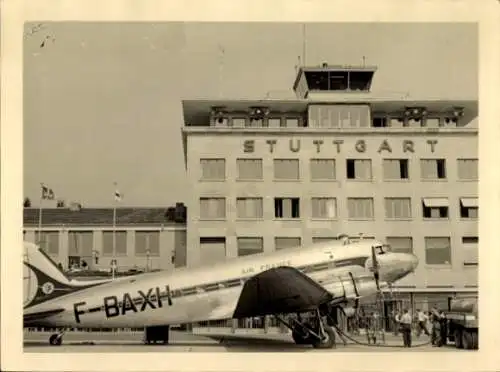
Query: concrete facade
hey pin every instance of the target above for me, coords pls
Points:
(437, 141)
(230, 146)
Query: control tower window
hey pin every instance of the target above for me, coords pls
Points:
(360, 80)
(338, 80)
(317, 80)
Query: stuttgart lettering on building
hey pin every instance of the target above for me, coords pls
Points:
(360, 146)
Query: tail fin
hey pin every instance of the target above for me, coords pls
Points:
(43, 280)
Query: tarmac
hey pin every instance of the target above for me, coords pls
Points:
(86, 342)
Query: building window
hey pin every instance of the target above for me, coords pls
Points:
(249, 208)
(80, 243)
(400, 244)
(286, 242)
(396, 169)
(239, 122)
(360, 208)
(467, 169)
(212, 249)
(249, 169)
(379, 122)
(324, 208)
(435, 207)
(469, 208)
(147, 243)
(286, 207)
(470, 245)
(292, 122)
(286, 169)
(49, 242)
(323, 239)
(359, 169)
(249, 245)
(213, 169)
(212, 208)
(437, 251)
(120, 243)
(322, 169)
(398, 208)
(433, 169)
(274, 122)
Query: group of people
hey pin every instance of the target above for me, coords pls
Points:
(436, 319)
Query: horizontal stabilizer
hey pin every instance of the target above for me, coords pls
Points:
(280, 290)
(28, 318)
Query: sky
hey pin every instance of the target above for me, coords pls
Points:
(102, 101)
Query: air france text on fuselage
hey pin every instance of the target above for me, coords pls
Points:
(254, 269)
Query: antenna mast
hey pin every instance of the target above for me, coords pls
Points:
(303, 44)
(221, 66)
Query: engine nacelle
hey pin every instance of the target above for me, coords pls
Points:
(349, 311)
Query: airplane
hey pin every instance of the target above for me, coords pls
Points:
(309, 281)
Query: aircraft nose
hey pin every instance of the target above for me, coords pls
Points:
(399, 265)
(413, 262)
(410, 262)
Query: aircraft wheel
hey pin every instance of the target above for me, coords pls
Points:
(475, 342)
(55, 340)
(300, 339)
(328, 341)
(467, 340)
(458, 339)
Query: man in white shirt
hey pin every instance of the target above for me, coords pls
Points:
(422, 322)
(406, 328)
(397, 319)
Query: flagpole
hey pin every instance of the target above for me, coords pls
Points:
(114, 240)
(40, 212)
(113, 266)
(40, 208)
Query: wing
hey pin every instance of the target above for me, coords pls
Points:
(280, 290)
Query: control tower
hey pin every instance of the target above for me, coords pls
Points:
(320, 81)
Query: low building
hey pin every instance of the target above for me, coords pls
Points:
(144, 238)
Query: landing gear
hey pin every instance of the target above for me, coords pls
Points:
(314, 331)
(56, 339)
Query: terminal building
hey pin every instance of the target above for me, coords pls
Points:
(272, 174)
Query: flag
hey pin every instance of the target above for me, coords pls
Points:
(47, 194)
(118, 195)
(45, 191)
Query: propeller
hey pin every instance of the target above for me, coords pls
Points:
(375, 268)
(376, 275)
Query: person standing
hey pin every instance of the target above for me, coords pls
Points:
(443, 334)
(422, 323)
(406, 328)
(397, 325)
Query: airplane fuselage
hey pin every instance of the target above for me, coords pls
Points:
(202, 293)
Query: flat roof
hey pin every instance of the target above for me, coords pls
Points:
(331, 68)
(198, 111)
(98, 217)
